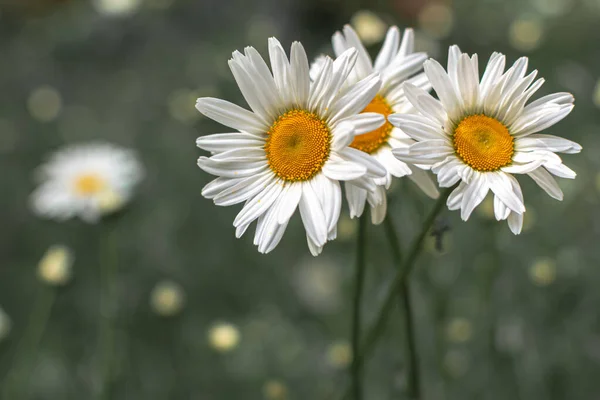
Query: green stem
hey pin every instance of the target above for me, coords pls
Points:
(16, 382)
(378, 326)
(108, 271)
(413, 387)
(356, 317)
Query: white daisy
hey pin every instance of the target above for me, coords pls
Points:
(292, 148)
(86, 181)
(396, 64)
(482, 132)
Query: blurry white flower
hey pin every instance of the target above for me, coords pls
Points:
(525, 34)
(459, 330)
(291, 151)
(275, 390)
(339, 354)
(223, 337)
(167, 298)
(369, 27)
(44, 103)
(543, 271)
(396, 63)
(5, 324)
(117, 7)
(481, 133)
(87, 181)
(55, 267)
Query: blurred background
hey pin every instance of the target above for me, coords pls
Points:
(201, 315)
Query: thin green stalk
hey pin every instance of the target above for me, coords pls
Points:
(16, 382)
(356, 367)
(378, 326)
(108, 272)
(412, 387)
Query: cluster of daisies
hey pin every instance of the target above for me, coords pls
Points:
(361, 122)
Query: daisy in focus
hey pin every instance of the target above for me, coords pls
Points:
(482, 132)
(396, 64)
(86, 181)
(291, 150)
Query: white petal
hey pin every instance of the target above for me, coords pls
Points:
(473, 195)
(243, 190)
(423, 180)
(232, 115)
(502, 188)
(281, 69)
(547, 142)
(300, 74)
(343, 135)
(443, 87)
(392, 164)
(355, 99)
(515, 223)
(330, 196)
(258, 205)
(378, 211)
(232, 169)
(312, 215)
(560, 170)
(290, 202)
(228, 141)
(253, 93)
(468, 83)
(425, 103)
(216, 186)
(373, 166)
(417, 127)
(343, 170)
(389, 49)
(501, 212)
(547, 182)
(356, 198)
(365, 122)
(455, 199)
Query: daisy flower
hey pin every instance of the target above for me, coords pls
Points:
(396, 63)
(291, 150)
(86, 181)
(482, 132)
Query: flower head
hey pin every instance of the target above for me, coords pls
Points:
(87, 181)
(482, 132)
(396, 63)
(291, 150)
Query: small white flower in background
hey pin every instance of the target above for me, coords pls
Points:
(55, 267)
(339, 354)
(167, 298)
(223, 337)
(482, 132)
(117, 7)
(5, 324)
(369, 27)
(275, 390)
(396, 64)
(292, 150)
(86, 181)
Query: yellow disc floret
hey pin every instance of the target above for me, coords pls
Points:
(89, 184)
(372, 141)
(298, 145)
(483, 143)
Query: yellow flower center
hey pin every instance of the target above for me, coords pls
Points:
(298, 145)
(483, 143)
(372, 141)
(89, 184)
